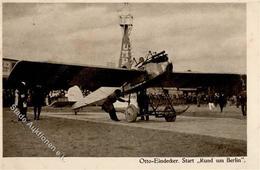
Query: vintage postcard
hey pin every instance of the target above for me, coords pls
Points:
(130, 85)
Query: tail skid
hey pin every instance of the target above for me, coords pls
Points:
(182, 111)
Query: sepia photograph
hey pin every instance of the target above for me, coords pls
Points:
(156, 81)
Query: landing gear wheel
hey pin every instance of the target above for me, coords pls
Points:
(131, 113)
(170, 116)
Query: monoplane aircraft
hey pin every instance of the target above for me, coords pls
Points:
(154, 71)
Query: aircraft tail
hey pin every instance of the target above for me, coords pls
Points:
(74, 94)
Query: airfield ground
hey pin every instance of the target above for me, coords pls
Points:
(91, 133)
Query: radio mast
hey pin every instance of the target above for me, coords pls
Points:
(126, 23)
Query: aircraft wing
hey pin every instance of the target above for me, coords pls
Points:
(230, 83)
(63, 76)
(194, 80)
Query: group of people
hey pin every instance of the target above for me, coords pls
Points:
(22, 97)
(38, 97)
(221, 100)
(215, 99)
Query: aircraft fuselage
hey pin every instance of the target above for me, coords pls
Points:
(154, 68)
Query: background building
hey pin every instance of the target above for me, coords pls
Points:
(8, 93)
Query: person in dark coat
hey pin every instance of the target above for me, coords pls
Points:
(143, 104)
(222, 101)
(243, 101)
(21, 101)
(198, 99)
(109, 101)
(37, 101)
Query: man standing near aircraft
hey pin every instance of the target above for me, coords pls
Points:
(37, 101)
(109, 101)
(143, 104)
(243, 101)
(21, 97)
(222, 101)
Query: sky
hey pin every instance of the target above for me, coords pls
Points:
(200, 37)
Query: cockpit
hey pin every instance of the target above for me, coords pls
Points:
(155, 64)
(152, 58)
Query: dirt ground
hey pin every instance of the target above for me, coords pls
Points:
(77, 138)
